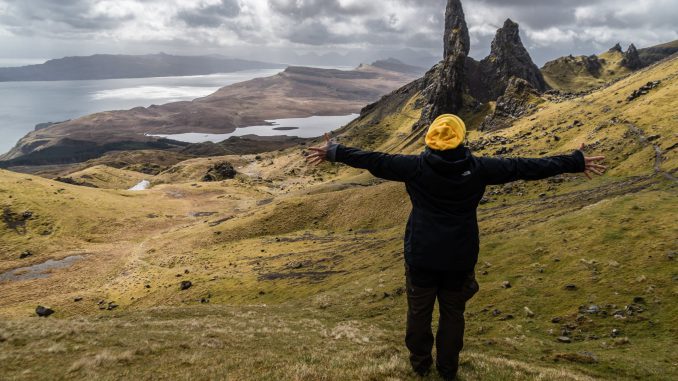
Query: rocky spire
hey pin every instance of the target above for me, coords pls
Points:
(508, 58)
(631, 58)
(616, 48)
(444, 83)
(456, 39)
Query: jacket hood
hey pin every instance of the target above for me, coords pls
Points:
(448, 162)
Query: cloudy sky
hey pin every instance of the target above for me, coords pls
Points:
(278, 30)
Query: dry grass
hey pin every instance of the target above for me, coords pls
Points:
(302, 271)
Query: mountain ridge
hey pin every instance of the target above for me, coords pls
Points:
(582, 73)
(118, 66)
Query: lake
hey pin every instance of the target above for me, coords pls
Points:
(25, 104)
(309, 127)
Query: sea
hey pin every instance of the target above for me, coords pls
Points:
(25, 104)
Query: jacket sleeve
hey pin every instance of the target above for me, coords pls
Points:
(383, 165)
(504, 170)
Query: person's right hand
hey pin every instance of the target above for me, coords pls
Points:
(319, 154)
(593, 164)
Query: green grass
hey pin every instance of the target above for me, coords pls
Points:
(303, 270)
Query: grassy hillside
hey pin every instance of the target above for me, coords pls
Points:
(582, 73)
(297, 272)
(657, 52)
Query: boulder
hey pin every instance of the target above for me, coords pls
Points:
(528, 311)
(220, 171)
(185, 285)
(43, 311)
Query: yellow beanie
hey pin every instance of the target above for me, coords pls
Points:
(446, 132)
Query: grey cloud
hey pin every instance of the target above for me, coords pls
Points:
(548, 28)
(533, 3)
(310, 33)
(210, 16)
(377, 24)
(25, 17)
(313, 8)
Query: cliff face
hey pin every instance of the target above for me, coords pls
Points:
(443, 85)
(489, 78)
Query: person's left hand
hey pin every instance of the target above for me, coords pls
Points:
(593, 164)
(319, 154)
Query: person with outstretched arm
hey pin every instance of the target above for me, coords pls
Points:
(446, 183)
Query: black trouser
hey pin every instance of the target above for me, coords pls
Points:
(452, 289)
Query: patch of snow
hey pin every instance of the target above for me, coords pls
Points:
(143, 185)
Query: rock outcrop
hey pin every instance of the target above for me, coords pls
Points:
(643, 90)
(489, 78)
(519, 99)
(220, 171)
(616, 48)
(443, 85)
(592, 64)
(631, 58)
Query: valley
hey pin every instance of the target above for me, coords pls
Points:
(243, 265)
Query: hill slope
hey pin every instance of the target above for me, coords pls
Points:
(285, 271)
(297, 272)
(583, 73)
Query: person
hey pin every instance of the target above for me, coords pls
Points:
(445, 184)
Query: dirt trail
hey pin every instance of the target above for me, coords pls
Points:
(644, 141)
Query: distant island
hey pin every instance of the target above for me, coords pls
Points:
(393, 64)
(285, 128)
(296, 92)
(109, 66)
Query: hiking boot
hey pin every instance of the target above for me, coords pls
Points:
(422, 367)
(446, 374)
(422, 371)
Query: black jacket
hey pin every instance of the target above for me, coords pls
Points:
(445, 188)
